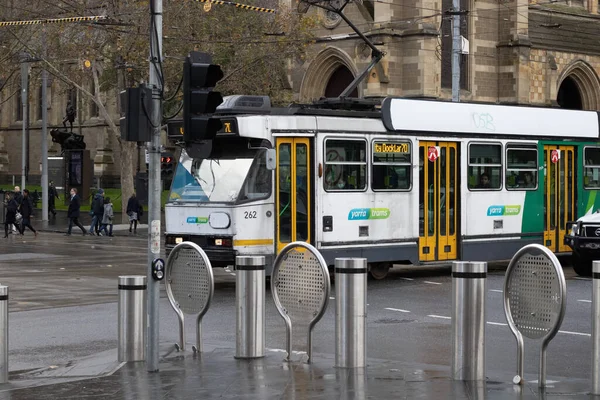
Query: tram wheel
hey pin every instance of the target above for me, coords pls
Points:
(581, 265)
(379, 271)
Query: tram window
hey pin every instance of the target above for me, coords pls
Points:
(521, 167)
(391, 165)
(591, 168)
(345, 165)
(485, 166)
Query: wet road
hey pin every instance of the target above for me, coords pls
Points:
(63, 306)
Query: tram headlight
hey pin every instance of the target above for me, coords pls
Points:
(178, 240)
(574, 230)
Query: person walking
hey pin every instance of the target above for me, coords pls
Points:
(97, 211)
(11, 212)
(134, 211)
(52, 194)
(73, 212)
(107, 217)
(27, 213)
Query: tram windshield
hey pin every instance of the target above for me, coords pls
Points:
(236, 177)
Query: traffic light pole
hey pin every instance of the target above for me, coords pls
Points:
(154, 186)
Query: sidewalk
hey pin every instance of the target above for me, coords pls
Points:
(216, 374)
(60, 224)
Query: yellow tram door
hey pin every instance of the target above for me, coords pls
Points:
(559, 194)
(437, 201)
(293, 191)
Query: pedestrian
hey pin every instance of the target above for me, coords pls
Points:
(107, 217)
(27, 212)
(52, 194)
(134, 211)
(97, 212)
(73, 212)
(18, 195)
(11, 212)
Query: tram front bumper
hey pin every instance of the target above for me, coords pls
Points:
(218, 249)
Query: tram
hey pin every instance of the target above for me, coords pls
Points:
(407, 182)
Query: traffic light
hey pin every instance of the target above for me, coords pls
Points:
(136, 108)
(199, 100)
(166, 166)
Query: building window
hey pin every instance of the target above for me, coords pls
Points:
(591, 168)
(446, 45)
(19, 104)
(485, 166)
(345, 164)
(39, 105)
(521, 167)
(94, 111)
(391, 169)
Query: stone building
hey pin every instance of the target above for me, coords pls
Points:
(543, 53)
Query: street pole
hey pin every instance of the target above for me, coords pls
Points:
(24, 100)
(44, 135)
(154, 185)
(456, 50)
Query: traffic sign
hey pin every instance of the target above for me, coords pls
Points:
(555, 156)
(433, 153)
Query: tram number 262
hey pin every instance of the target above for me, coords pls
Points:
(249, 214)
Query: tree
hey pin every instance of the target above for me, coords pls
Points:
(253, 49)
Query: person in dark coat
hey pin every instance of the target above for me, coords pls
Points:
(11, 212)
(27, 212)
(134, 211)
(52, 193)
(97, 212)
(73, 212)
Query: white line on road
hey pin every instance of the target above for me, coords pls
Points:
(502, 324)
(582, 279)
(585, 301)
(332, 298)
(407, 279)
(432, 283)
(496, 290)
(498, 323)
(397, 309)
(439, 316)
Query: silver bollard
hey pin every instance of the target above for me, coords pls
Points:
(132, 318)
(3, 334)
(250, 306)
(596, 328)
(350, 312)
(469, 281)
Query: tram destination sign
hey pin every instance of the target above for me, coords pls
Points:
(393, 148)
(175, 128)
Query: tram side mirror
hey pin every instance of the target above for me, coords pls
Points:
(271, 159)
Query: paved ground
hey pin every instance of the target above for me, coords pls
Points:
(63, 336)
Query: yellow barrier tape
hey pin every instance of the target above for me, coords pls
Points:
(51, 21)
(238, 5)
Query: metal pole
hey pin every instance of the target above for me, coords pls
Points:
(596, 328)
(132, 318)
(24, 100)
(3, 334)
(455, 50)
(350, 312)
(250, 307)
(469, 281)
(44, 136)
(154, 185)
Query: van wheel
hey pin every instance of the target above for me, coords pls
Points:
(379, 271)
(581, 265)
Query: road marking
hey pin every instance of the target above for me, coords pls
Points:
(407, 279)
(582, 279)
(397, 309)
(332, 298)
(439, 316)
(498, 323)
(575, 333)
(496, 290)
(432, 283)
(585, 301)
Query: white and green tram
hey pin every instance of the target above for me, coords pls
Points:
(410, 182)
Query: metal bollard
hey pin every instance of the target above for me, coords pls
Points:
(596, 328)
(350, 312)
(469, 281)
(250, 306)
(3, 334)
(132, 318)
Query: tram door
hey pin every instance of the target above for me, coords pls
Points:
(293, 191)
(438, 177)
(559, 194)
